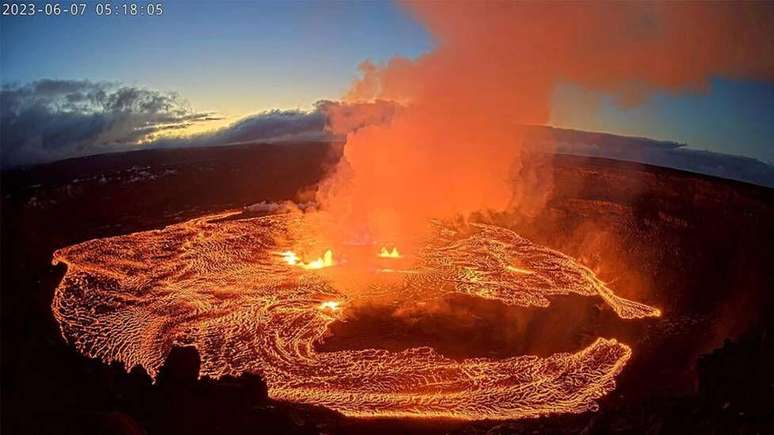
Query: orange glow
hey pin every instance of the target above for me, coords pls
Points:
(330, 305)
(292, 259)
(456, 144)
(384, 253)
(193, 284)
(515, 269)
(389, 270)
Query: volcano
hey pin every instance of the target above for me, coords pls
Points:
(213, 283)
(625, 309)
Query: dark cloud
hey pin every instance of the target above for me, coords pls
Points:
(269, 126)
(55, 119)
(51, 120)
(329, 120)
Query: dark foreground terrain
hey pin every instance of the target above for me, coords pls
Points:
(699, 248)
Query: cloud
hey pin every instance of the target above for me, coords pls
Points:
(329, 120)
(268, 126)
(344, 118)
(51, 120)
(55, 119)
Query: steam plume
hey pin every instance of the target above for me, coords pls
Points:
(456, 144)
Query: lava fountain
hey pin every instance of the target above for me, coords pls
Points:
(217, 283)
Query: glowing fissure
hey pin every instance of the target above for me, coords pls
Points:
(218, 285)
(330, 305)
(515, 269)
(292, 259)
(385, 253)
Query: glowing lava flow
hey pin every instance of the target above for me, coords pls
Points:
(218, 285)
(291, 258)
(384, 253)
(330, 305)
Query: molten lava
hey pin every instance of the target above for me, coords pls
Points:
(292, 259)
(330, 305)
(217, 284)
(384, 253)
(515, 269)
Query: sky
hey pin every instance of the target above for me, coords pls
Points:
(233, 57)
(726, 116)
(238, 58)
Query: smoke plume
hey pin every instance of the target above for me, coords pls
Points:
(456, 145)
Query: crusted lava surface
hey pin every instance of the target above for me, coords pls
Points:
(696, 247)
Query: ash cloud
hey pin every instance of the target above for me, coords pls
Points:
(55, 119)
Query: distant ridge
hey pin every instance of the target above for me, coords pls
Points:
(661, 153)
(653, 152)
